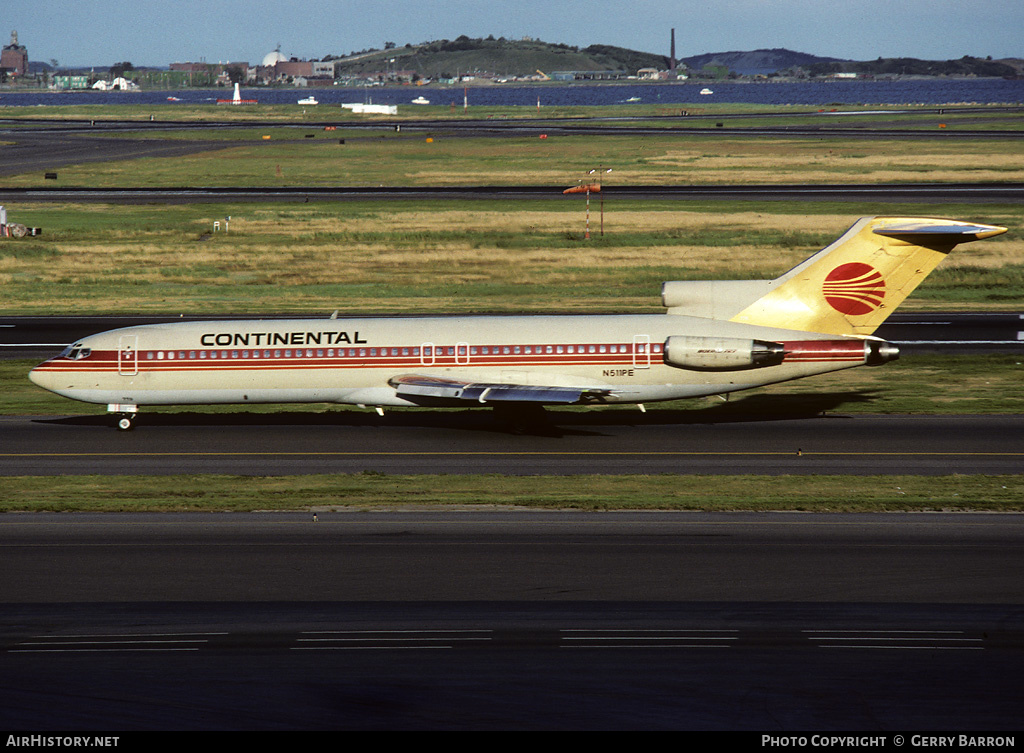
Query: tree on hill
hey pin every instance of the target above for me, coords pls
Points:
(118, 69)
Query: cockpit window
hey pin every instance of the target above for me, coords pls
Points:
(76, 352)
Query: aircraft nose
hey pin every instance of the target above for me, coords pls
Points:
(40, 377)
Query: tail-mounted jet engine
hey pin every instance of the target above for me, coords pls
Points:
(736, 354)
(721, 353)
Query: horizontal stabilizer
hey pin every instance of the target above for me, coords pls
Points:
(957, 232)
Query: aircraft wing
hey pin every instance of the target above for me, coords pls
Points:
(411, 386)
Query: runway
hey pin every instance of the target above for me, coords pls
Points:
(42, 151)
(680, 124)
(758, 623)
(933, 193)
(772, 436)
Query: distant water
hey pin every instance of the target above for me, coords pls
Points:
(924, 92)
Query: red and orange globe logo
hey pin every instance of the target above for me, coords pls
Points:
(854, 288)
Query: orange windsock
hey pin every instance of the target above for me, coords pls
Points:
(593, 188)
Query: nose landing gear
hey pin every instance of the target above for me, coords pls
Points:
(124, 415)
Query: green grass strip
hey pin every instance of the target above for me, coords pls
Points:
(374, 491)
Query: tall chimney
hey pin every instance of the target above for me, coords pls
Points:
(672, 63)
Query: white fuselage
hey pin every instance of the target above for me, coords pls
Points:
(355, 360)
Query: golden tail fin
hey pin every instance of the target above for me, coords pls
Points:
(851, 286)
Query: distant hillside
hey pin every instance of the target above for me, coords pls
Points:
(501, 57)
(519, 58)
(757, 62)
(965, 66)
(767, 62)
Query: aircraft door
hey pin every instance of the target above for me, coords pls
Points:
(427, 354)
(128, 355)
(641, 351)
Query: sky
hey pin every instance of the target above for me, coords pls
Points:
(157, 33)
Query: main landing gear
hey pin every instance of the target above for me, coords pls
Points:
(124, 415)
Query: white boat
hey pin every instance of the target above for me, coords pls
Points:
(421, 101)
(706, 91)
(308, 101)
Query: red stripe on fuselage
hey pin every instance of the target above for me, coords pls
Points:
(233, 359)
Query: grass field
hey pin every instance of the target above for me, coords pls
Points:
(437, 257)
(608, 493)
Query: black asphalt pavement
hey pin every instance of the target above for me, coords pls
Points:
(797, 434)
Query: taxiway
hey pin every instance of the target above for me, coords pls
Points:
(767, 622)
(791, 435)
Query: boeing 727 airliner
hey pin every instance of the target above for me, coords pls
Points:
(716, 337)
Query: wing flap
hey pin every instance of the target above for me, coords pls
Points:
(411, 386)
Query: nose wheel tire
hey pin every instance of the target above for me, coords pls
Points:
(125, 423)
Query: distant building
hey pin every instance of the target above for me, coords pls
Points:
(70, 82)
(190, 67)
(276, 68)
(318, 82)
(324, 69)
(393, 76)
(273, 58)
(361, 108)
(119, 83)
(14, 57)
(293, 68)
(587, 75)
